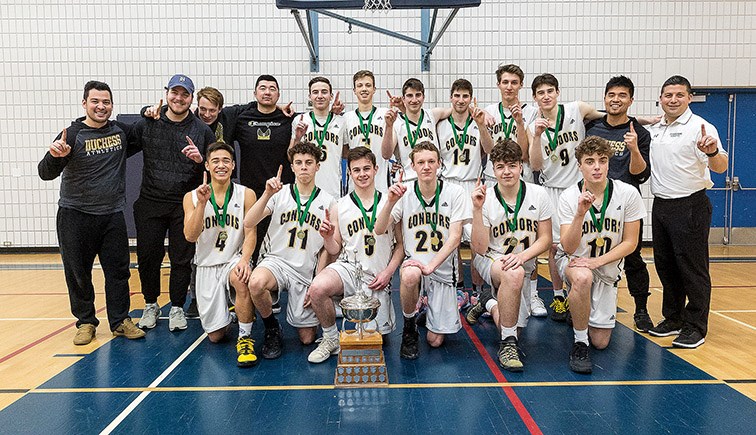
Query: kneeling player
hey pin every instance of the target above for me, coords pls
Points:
(352, 226)
(600, 223)
(511, 226)
(214, 216)
(291, 248)
(432, 216)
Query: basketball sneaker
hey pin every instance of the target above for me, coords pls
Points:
(666, 328)
(690, 338)
(326, 348)
(129, 330)
(85, 334)
(272, 343)
(537, 307)
(560, 306)
(474, 313)
(409, 348)
(149, 316)
(245, 352)
(176, 319)
(580, 358)
(642, 321)
(509, 357)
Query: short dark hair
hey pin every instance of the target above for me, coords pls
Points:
(266, 78)
(99, 86)
(425, 145)
(677, 80)
(319, 79)
(361, 74)
(360, 153)
(511, 69)
(593, 145)
(215, 146)
(462, 85)
(413, 83)
(304, 148)
(620, 82)
(506, 151)
(544, 79)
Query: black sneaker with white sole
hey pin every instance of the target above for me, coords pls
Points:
(666, 328)
(690, 338)
(642, 321)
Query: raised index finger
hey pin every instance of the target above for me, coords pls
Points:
(703, 130)
(401, 175)
(280, 170)
(188, 139)
(328, 215)
(63, 136)
(389, 95)
(632, 127)
(337, 96)
(204, 177)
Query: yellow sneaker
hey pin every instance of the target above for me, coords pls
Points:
(245, 351)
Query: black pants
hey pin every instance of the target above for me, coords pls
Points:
(636, 270)
(681, 254)
(82, 236)
(152, 220)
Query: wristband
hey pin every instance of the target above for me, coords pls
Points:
(710, 155)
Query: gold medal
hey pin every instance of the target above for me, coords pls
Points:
(370, 239)
(300, 234)
(462, 158)
(434, 241)
(554, 158)
(600, 242)
(222, 236)
(513, 242)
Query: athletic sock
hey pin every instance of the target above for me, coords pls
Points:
(534, 288)
(245, 329)
(559, 293)
(581, 335)
(508, 332)
(270, 322)
(330, 331)
(490, 304)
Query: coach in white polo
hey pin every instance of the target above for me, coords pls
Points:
(684, 147)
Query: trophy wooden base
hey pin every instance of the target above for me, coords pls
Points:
(361, 363)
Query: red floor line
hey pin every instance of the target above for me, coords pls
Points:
(494, 368)
(45, 338)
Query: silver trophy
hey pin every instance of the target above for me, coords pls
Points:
(359, 308)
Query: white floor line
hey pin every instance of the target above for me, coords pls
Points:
(125, 413)
(734, 311)
(734, 320)
(35, 319)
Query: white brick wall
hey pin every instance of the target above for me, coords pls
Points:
(49, 49)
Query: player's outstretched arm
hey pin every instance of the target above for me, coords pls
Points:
(260, 210)
(450, 245)
(389, 141)
(329, 230)
(480, 232)
(384, 219)
(193, 216)
(250, 233)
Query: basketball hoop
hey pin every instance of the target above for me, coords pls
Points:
(377, 5)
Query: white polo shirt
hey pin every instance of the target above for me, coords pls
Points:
(678, 167)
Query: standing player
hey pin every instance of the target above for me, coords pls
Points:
(291, 248)
(90, 156)
(511, 226)
(326, 129)
(431, 219)
(214, 221)
(553, 137)
(630, 142)
(365, 126)
(600, 223)
(405, 130)
(352, 231)
(512, 118)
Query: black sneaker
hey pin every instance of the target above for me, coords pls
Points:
(642, 321)
(409, 349)
(474, 313)
(560, 306)
(580, 358)
(272, 343)
(666, 328)
(193, 311)
(508, 354)
(689, 338)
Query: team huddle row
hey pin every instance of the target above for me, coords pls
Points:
(469, 173)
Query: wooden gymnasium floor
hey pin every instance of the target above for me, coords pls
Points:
(178, 382)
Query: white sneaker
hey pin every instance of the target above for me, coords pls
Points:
(326, 348)
(149, 316)
(537, 308)
(176, 319)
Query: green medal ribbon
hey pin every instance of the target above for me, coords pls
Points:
(553, 141)
(221, 217)
(412, 136)
(506, 127)
(511, 223)
(303, 213)
(369, 222)
(435, 199)
(320, 138)
(365, 128)
(460, 143)
(607, 197)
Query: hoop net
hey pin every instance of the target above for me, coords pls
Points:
(377, 5)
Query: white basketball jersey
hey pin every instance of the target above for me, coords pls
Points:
(296, 245)
(355, 137)
(625, 205)
(535, 207)
(328, 176)
(499, 133)
(561, 170)
(454, 205)
(463, 164)
(425, 131)
(355, 235)
(218, 245)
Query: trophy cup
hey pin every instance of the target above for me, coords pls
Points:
(361, 363)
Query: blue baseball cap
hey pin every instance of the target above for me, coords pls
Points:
(181, 80)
